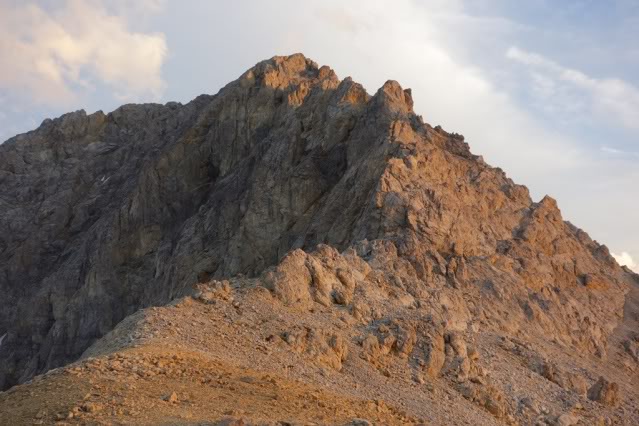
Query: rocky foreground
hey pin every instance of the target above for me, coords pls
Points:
(315, 255)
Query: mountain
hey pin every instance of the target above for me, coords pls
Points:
(294, 249)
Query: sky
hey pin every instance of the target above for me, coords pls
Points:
(546, 90)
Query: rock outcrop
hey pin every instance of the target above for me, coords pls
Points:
(306, 187)
(605, 392)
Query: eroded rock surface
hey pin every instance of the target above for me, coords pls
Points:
(301, 192)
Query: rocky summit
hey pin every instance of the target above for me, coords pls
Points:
(295, 251)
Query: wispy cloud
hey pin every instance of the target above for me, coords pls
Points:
(52, 55)
(619, 152)
(571, 90)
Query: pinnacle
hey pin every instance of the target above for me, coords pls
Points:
(397, 98)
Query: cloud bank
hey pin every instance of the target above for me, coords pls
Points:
(52, 55)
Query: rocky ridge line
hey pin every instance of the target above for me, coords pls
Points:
(108, 213)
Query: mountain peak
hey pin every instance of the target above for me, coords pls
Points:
(281, 72)
(296, 196)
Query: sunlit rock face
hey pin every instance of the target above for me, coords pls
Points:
(101, 215)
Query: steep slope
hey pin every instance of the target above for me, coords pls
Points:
(104, 214)
(237, 353)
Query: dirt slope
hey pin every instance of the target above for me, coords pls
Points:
(236, 354)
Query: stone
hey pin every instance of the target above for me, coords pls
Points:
(91, 407)
(434, 354)
(567, 419)
(530, 404)
(632, 348)
(171, 398)
(566, 379)
(605, 392)
(360, 422)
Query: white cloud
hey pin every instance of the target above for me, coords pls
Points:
(624, 259)
(53, 55)
(571, 90)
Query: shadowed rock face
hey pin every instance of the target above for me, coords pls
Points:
(103, 214)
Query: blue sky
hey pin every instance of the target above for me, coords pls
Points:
(547, 90)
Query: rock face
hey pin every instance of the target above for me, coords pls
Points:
(311, 184)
